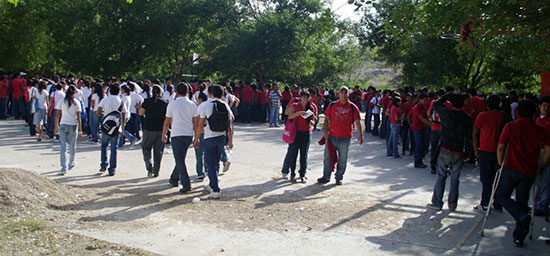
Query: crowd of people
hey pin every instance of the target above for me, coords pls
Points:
(451, 128)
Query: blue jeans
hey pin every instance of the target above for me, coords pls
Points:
(274, 116)
(509, 181)
(18, 108)
(3, 108)
(199, 156)
(392, 141)
(94, 126)
(105, 141)
(67, 139)
(342, 148)
(543, 190)
(384, 126)
(213, 149)
(133, 125)
(428, 131)
(448, 165)
(50, 126)
(301, 143)
(376, 118)
(488, 167)
(247, 111)
(368, 119)
(419, 148)
(125, 135)
(180, 145)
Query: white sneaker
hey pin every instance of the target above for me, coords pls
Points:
(285, 176)
(72, 165)
(226, 166)
(209, 189)
(61, 173)
(215, 195)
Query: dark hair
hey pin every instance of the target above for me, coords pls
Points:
(457, 100)
(422, 96)
(395, 101)
(169, 88)
(312, 92)
(216, 90)
(305, 93)
(147, 89)
(527, 109)
(229, 89)
(202, 96)
(182, 89)
(69, 95)
(449, 89)
(493, 102)
(125, 89)
(505, 106)
(114, 89)
(58, 87)
(156, 92)
(42, 85)
(98, 89)
(545, 99)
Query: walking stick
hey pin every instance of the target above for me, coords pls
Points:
(494, 189)
(533, 210)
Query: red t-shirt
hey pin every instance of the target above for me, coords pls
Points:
(544, 122)
(369, 97)
(436, 123)
(488, 123)
(355, 97)
(395, 111)
(524, 138)
(286, 96)
(17, 88)
(385, 102)
(407, 107)
(341, 119)
(247, 94)
(3, 90)
(477, 105)
(303, 124)
(295, 94)
(417, 111)
(262, 97)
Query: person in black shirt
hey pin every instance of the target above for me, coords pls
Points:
(456, 131)
(154, 111)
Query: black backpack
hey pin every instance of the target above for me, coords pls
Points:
(219, 120)
(111, 122)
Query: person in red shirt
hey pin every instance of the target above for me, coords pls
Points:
(247, 100)
(435, 133)
(518, 150)
(419, 124)
(406, 132)
(355, 96)
(543, 186)
(304, 126)
(368, 117)
(3, 96)
(295, 91)
(18, 86)
(487, 128)
(261, 102)
(285, 99)
(396, 117)
(340, 116)
(385, 102)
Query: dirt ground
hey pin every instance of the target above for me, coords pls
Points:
(380, 209)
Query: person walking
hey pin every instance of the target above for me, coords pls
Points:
(274, 102)
(126, 102)
(456, 132)
(200, 165)
(487, 129)
(306, 114)
(340, 117)
(97, 96)
(521, 141)
(154, 112)
(395, 118)
(216, 129)
(108, 105)
(67, 129)
(375, 112)
(42, 99)
(179, 115)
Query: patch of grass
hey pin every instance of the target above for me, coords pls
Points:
(25, 235)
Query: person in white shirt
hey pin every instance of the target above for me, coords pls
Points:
(179, 114)
(214, 141)
(126, 103)
(41, 97)
(70, 121)
(57, 100)
(106, 106)
(97, 96)
(136, 100)
(375, 101)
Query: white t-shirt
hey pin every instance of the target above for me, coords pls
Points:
(166, 96)
(375, 101)
(136, 99)
(205, 110)
(513, 106)
(79, 95)
(182, 111)
(69, 114)
(110, 104)
(59, 98)
(95, 99)
(126, 102)
(41, 98)
(86, 92)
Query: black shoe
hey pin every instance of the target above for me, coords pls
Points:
(518, 243)
(322, 180)
(540, 213)
(111, 174)
(421, 165)
(173, 183)
(303, 179)
(293, 177)
(433, 169)
(102, 169)
(338, 182)
(185, 190)
(150, 174)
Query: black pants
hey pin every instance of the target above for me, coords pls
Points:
(509, 181)
(301, 144)
(488, 167)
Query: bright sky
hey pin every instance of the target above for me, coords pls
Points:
(345, 10)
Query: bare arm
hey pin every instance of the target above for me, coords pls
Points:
(57, 116)
(79, 122)
(99, 111)
(198, 130)
(501, 150)
(141, 112)
(230, 134)
(545, 156)
(167, 123)
(475, 137)
(359, 129)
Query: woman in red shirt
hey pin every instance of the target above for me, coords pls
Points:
(285, 100)
(395, 127)
(304, 126)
